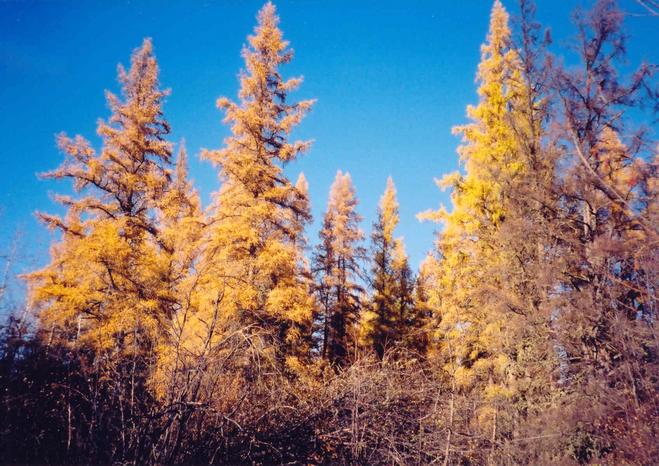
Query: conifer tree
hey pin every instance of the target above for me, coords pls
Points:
(104, 284)
(252, 262)
(108, 293)
(181, 224)
(380, 323)
(475, 330)
(336, 265)
(390, 315)
(302, 210)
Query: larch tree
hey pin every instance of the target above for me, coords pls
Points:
(252, 261)
(476, 333)
(380, 322)
(426, 304)
(302, 210)
(168, 335)
(384, 324)
(336, 265)
(526, 244)
(105, 285)
(108, 293)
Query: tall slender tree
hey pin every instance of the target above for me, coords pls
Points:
(380, 322)
(251, 262)
(337, 268)
(477, 332)
(181, 223)
(386, 321)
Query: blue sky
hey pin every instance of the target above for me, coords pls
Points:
(391, 79)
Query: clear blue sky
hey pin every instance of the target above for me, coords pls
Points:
(391, 79)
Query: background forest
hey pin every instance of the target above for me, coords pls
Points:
(163, 331)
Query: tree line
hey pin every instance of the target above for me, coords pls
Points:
(162, 332)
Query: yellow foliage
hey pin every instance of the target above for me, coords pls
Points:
(470, 328)
(252, 264)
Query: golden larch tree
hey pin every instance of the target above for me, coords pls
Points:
(252, 258)
(337, 268)
(388, 317)
(474, 333)
(106, 284)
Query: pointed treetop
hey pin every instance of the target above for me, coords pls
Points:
(388, 210)
(131, 165)
(302, 185)
(427, 265)
(342, 191)
(267, 37)
(183, 199)
(137, 127)
(301, 204)
(498, 36)
(140, 88)
(141, 59)
(342, 214)
(181, 173)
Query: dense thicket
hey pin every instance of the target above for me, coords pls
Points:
(160, 333)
